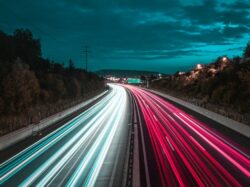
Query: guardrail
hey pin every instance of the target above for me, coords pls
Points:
(227, 122)
(18, 135)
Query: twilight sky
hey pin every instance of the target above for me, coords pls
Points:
(154, 35)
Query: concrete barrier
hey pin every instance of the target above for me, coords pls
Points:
(20, 134)
(227, 122)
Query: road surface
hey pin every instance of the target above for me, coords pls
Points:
(89, 150)
(179, 150)
(168, 147)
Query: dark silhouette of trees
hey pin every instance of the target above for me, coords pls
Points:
(20, 88)
(246, 53)
(56, 86)
(1, 105)
(223, 83)
(31, 84)
(71, 65)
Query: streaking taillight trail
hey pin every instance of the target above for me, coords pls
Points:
(188, 152)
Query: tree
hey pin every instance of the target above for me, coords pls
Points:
(55, 85)
(21, 88)
(73, 88)
(58, 68)
(29, 82)
(71, 65)
(6, 47)
(2, 105)
(38, 79)
(27, 48)
(247, 51)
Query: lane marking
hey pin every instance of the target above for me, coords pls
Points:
(170, 144)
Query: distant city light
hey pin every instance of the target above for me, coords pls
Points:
(114, 79)
(224, 59)
(198, 66)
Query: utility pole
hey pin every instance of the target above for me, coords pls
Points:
(86, 51)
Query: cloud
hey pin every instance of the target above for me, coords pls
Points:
(160, 29)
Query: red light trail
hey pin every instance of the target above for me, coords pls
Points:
(188, 152)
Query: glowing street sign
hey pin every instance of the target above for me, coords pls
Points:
(134, 81)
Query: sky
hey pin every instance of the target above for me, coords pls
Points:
(153, 35)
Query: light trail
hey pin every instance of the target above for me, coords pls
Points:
(187, 151)
(78, 148)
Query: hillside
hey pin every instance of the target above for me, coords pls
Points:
(125, 73)
(33, 87)
(222, 86)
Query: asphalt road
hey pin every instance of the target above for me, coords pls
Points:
(89, 150)
(167, 147)
(178, 149)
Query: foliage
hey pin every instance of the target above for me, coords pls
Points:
(28, 81)
(246, 53)
(20, 88)
(224, 83)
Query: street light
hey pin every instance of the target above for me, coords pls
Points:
(224, 59)
(198, 66)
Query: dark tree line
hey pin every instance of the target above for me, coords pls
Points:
(28, 81)
(225, 83)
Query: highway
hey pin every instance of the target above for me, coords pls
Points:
(179, 150)
(89, 150)
(140, 140)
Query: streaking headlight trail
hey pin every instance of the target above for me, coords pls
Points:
(74, 154)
